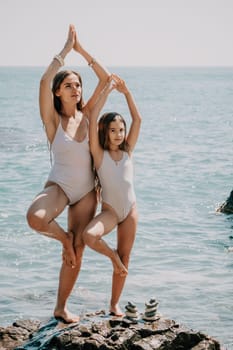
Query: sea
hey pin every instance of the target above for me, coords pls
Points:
(182, 255)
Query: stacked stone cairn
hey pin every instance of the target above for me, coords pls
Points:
(150, 311)
(131, 312)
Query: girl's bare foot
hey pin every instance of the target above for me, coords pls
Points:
(68, 253)
(115, 310)
(65, 316)
(118, 266)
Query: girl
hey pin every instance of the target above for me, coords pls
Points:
(71, 179)
(112, 148)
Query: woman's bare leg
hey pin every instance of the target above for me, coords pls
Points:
(41, 214)
(92, 236)
(79, 215)
(125, 239)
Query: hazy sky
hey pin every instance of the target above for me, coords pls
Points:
(119, 32)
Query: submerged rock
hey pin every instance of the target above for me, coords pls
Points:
(227, 206)
(103, 332)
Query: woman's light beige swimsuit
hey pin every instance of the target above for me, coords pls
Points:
(72, 169)
(116, 180)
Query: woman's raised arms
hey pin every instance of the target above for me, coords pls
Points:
(100, 71)
(47, 110)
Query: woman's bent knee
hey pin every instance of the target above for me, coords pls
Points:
(125, 258)
(36, 221)
(79, 250)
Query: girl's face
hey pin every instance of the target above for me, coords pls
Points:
(116, 132)
(70, 90)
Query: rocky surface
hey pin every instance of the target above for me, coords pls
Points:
(227, 206)
(101, 332)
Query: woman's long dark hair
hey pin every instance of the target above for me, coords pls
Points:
(58, 79)
(103, 128)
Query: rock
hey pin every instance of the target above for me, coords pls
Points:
(227, 206)
(101, 332)
(131, 311)
(17, 333)
(150, 313)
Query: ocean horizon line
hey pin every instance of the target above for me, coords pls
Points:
(128, 66)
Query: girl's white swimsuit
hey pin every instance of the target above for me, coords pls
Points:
(72, 169)
(116, 180)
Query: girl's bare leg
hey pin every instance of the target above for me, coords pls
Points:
(125, 239)
(79, 215)
(95, 230)
(41, 214)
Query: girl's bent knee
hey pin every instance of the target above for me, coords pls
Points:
(89, 239)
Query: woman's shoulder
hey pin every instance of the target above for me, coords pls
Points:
(85, 111)
(51, 127)
(85, 117)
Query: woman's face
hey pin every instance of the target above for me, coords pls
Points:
(70, 90)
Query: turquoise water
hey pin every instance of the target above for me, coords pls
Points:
(183, 170)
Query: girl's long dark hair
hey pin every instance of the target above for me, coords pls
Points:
(58, 79)
(103, 127)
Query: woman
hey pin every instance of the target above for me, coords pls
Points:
(71, 180)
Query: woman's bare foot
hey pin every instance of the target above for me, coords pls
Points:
(118, 266)
(68, 253)
(65, 316)
(115, 310)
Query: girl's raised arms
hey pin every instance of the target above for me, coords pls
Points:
(134, 129)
